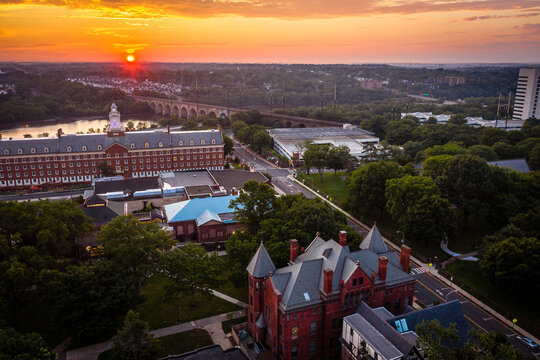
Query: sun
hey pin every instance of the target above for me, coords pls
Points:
(130, 58)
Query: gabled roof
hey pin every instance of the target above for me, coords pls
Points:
(374, 241)
(193, 208)
(207, 216)
(95, 200)
(261, 264)
(384, 338)
(301, 283)
(446, 314)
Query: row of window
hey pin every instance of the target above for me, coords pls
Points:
(99, 147)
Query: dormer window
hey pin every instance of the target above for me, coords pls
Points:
(99, 147)
(68, 149)
(191, 142)
(202, 142)
(132, 145)
(146, 145)
(19, 151)
(213, 141)
(6, 152)
(84, 148)
(45, 149)
(160, 144)
(180, 143)
(33, 150)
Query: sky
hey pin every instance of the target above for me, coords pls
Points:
(268, 31)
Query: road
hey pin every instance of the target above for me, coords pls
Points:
(429, 289)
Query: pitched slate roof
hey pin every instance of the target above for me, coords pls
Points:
(384, 338)
(193, 208)
(261, 264)
(301, 283)
(446, 314)
(374, 241)
(93, 142)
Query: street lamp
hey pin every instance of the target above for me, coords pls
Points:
(402, 238)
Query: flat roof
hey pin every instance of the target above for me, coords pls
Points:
(230, 178)
(175, 179)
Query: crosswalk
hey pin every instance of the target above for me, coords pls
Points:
(417, 271)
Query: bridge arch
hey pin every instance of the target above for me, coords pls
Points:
(184, 112)
(152, 106)
(202, 113)
(159, 108)
(222, 115)
(211, 114)
(175, 111)
(288, 124)
(167, 110)
(192, 113)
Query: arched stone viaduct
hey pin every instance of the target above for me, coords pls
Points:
(188, 110)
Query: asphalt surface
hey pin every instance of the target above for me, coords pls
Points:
(51, 195)
(429, 289)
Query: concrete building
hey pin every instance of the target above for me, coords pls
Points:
(526, 103)
(74, 158)
(422, 117)
(286, 140)
(297, 311)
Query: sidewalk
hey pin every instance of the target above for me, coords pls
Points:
(433, 272)
(92, 352)
(228, 298)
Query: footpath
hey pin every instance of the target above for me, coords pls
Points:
(433, 272)
(211, 324)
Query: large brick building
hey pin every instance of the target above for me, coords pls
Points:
(297, 310)
(74, 158)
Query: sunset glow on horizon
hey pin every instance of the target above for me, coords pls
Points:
(300, 31)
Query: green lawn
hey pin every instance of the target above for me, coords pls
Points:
(160, 311)
(503, 301)
(183, 342)
(332, 185)
(175, 344)
(226, 325)
(228, 288)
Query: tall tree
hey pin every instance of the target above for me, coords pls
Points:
(133, 341)
(367, 185)
(338, 157)
(422, 214)
(17, 346)
(256, 202)
(398, 132)
(133, 247)
(316, 156)
(466, 181)
(191, 269)
(106, 169)
(228, 145)
(437, 341)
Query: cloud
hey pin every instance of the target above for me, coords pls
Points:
(529, 29)
(27, 46)
(287, 9)
(488, 17)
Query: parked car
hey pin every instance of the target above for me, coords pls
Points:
(528, 342)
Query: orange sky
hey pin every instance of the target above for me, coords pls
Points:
(296, 31)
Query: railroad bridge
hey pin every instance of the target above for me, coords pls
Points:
(186, 110)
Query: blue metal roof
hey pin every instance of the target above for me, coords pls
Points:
(194, 208)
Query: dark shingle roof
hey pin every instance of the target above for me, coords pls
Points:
(97, 142)
(519, 165)
(446, 313)
(101, 215)
(132, 185)
(374, 241)
(230, 178)
(305, 275)
(261, 264)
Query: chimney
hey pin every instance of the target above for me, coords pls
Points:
(328, 277)
(234, 191)
(293, 250)
(317, 234)
(168, 129)
(302, 249)
(383, 264)
(342, 238)
(59, 132)
(405, 257)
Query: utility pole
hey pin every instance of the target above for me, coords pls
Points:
(283, 94)
(197, 91)
(335, 100)
(271, 98)
(498, 110)
(507, 111)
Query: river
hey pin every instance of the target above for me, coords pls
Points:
(69, 126)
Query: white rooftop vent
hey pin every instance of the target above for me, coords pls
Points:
(306, 296)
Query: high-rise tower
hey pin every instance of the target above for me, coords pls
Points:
(526, 103)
